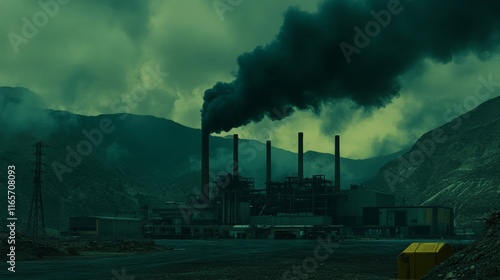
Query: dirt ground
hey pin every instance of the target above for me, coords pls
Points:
(220, 260)
(250, 259)
(32, 249)
(367, 268)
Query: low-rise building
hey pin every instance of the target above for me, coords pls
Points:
(105, 227)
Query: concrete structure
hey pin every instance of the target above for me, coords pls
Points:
(105, 227)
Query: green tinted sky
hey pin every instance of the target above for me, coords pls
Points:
(87, 54)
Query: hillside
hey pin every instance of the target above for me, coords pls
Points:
(139, 160)
(455, 165)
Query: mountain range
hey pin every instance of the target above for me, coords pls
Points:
(113, 164)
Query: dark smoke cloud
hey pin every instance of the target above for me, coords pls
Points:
(304, 66)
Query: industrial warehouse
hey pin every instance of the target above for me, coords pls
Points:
(296, 207)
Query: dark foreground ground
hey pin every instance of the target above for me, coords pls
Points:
(225, 259)
(480, 260)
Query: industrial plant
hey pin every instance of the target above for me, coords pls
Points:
(231, 206)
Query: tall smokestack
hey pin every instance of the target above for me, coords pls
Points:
(235, 154)
(205, 183)
(268, 163)
(301, 156)
(337, 162)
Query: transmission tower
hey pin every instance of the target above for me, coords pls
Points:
(36, 221)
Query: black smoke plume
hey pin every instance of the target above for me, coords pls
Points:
(305, 65)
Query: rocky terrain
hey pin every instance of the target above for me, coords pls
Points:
(480, 260)
(455, 165)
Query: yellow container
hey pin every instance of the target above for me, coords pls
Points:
(418, 259)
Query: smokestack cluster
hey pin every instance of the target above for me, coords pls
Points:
(306, 65)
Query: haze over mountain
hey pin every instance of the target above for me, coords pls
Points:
(101, 164)
(148, 160)
(455, 165)
(432, 62)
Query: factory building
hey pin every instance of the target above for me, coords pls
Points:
(411, 220)
(297, 206)
(231, 206)
(350, 203)
(238, 199)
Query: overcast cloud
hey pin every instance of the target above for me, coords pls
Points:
(90, 53)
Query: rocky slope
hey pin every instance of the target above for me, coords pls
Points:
(480, 260)
(455, 165)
